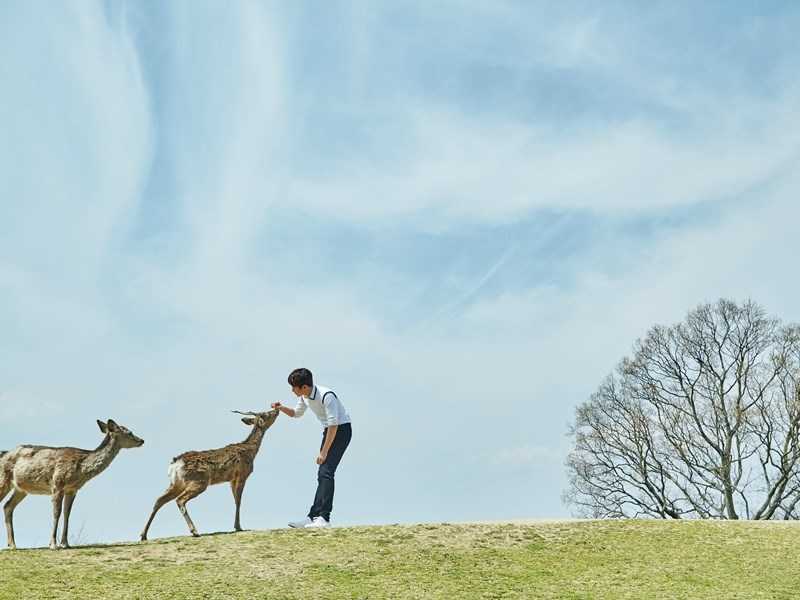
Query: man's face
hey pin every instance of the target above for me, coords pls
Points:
(301, 390)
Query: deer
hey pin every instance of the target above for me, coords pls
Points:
(58, 473)
(192, 472)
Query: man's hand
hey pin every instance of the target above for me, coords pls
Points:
(323, 456)
(284, 409)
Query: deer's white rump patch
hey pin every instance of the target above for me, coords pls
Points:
(174, 470)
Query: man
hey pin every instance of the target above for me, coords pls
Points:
(335, 438)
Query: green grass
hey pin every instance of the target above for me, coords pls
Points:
(575, 560)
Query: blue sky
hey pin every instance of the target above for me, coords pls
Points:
(458, 215)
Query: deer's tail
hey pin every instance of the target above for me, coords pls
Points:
(4, 475)
(174, 469)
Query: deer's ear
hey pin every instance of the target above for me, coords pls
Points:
(103, 427)
(248, 420)
(112, 426)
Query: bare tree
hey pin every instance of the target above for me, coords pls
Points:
(702, 421)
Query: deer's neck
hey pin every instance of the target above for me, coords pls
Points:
(255, 437)
(98, 459)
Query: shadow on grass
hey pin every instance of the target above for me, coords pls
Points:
(133, 543)
(182, 538)
(71, 548)
(111, 546)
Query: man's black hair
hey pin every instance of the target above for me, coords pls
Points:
(301, 377)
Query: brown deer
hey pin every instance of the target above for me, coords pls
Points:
(192, 472)
(59, 473)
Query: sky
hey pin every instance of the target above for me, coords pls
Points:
(459, 215)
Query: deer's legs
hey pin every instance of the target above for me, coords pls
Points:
(58, 500)
(189, 493)
(8, 510)
(68, 500)
(170, 494)
(237, 487)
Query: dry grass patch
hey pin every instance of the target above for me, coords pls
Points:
(591, 560)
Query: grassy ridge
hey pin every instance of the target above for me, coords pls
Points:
(591, 560)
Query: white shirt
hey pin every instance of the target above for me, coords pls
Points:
(325, 404)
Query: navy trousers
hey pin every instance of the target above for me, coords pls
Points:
(323, 499)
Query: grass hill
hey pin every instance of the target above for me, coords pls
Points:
(585, 559)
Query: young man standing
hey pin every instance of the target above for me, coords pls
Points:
(335, 439)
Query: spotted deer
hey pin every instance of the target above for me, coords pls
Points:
(58, 473)
(192, 472)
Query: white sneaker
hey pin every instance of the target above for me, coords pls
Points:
(317, 523)
(300, 524)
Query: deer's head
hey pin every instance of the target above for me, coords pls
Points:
(262, 420)
(124, 436)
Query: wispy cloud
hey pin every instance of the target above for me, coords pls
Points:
(526, 455)
(459, 216)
